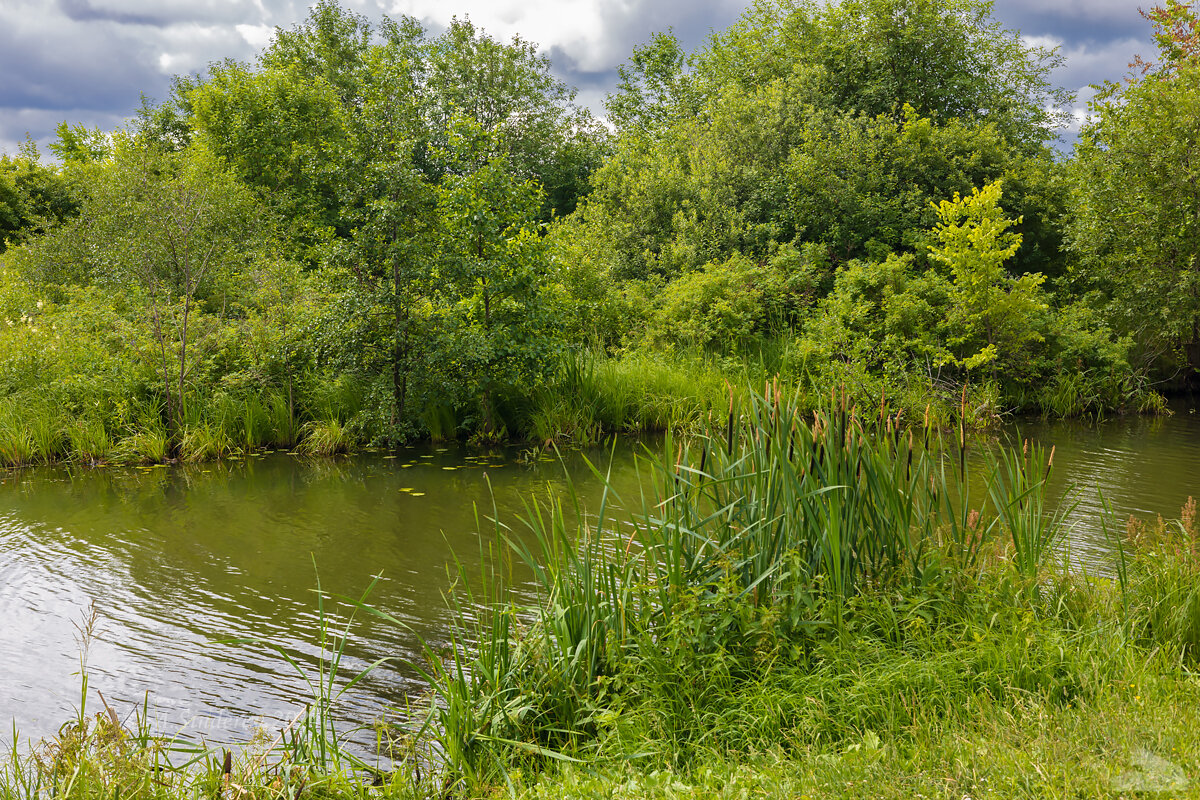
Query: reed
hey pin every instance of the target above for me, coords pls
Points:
(205, 441)
(1018, 493)
(768, 530)
(16, 445)
(90, 441)
(326, 437)
(46, 434)
(1162, 583)
(281, 420)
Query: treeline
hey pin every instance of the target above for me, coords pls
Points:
(371, 234)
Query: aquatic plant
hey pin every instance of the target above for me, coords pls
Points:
(326, 437)
(90, 441)
(777, 532)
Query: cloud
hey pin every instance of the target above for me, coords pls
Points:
(90, 60)
(162, 13)
(1074, 20)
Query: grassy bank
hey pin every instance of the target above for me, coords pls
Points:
(799, 604)
(589, 398)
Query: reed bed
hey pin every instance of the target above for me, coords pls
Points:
(772, 533)
(792, 593)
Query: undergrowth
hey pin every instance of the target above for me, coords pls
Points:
(798, 603)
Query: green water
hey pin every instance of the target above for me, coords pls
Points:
(180, 560)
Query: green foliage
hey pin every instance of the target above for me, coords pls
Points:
(1133, 225)
(1163, 599)
(494, 264)
(283, 132)
(168, 231)
(965, 319)
(989, 313)
(762, 159)
(369, 205)
(32, 197)
(507, 89)
(653, 88)
(77, 145)
(780, 577)
(726, 306)
(948, 59)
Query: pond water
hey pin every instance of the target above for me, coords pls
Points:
(177, 562)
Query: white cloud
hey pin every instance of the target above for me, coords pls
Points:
(88, 60)
(257, 36)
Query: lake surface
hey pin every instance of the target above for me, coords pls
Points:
(179, 561)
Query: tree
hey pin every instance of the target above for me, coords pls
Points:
(835, 124)
(172, 229)
(285, 132)
(33, 196)
(495, 267)
(993, 320)
(77, 144)
(961, 318)
(653, 87)
(948, 59)
(387, 205)
(1136, 178)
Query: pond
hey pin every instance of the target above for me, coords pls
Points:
(179, 562)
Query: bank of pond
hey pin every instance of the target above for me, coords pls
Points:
(785, 601)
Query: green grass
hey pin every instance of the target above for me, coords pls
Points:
(787, 577)
(149, 444)
(796, 604)
(328, 437)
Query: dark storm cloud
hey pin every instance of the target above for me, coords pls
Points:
(84, 11)
(89, 60)
(1073, 20)
(85, 71)
(1099, 37)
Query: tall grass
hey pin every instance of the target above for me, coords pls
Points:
(281, 420)
(16, 445)
(148, 444)
(327, 437)
(595, 395)
(763, 533)
(1163, 583)
(1018, 494)
(90, 441)
(206, 441)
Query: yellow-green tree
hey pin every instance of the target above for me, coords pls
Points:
(994, 319)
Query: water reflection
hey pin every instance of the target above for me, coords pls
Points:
(1142, 466)
(182, 560)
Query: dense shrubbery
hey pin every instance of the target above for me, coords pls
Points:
(364, 238)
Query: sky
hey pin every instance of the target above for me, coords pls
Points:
(89, 61)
